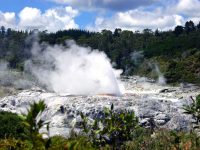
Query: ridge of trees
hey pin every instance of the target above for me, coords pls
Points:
(179, 45)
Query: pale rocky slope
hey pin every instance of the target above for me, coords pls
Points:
(145, 97)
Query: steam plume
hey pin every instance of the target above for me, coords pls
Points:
(13, 78)
(137, 57)
(161, 78)
(73, 70)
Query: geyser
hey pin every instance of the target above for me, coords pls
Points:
(161, 78)
(73, 70)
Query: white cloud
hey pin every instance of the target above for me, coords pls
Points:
(7, 19)
(138, 20)
(32, 18)
(116, 5)
(51, 20)
(164, 17)
(190, 8)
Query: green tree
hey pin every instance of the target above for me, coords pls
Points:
(157, 32)
(198, 26)
(178, 30)
(117, 32)
(3, 30)
(189, 26)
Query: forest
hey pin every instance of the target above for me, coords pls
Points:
(176, 52)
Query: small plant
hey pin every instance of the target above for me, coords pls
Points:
(113, 128)
(163, 140)
(194, 110)
(75, 143)
(34, 123)
(13, 144)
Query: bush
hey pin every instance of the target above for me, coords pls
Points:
(113, 128)
(10, 125)
(14, 144)
(72, 143)
(164, 140)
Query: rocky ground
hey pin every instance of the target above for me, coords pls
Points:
(147, 98)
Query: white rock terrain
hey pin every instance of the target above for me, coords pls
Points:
(147, 98)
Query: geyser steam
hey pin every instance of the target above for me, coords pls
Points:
(73, 70)
(161, 78)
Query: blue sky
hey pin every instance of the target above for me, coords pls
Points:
(53, 15)
(18, 5)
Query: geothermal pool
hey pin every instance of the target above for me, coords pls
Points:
(147, 98)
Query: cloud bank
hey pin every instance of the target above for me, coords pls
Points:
(115, 5)
(7, 19)
(138, 20)
(165, 16)
(53, 19)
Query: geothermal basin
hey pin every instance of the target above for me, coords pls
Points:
(145, 97)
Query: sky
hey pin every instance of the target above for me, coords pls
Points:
(96, 15)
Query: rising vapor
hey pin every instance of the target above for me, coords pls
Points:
(73, 70)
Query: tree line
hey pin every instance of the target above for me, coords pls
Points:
(176, 51)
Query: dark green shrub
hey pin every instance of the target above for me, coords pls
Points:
(164, 140)
(114, 128)
(14, 144)
(72, 143)
(10, 125)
